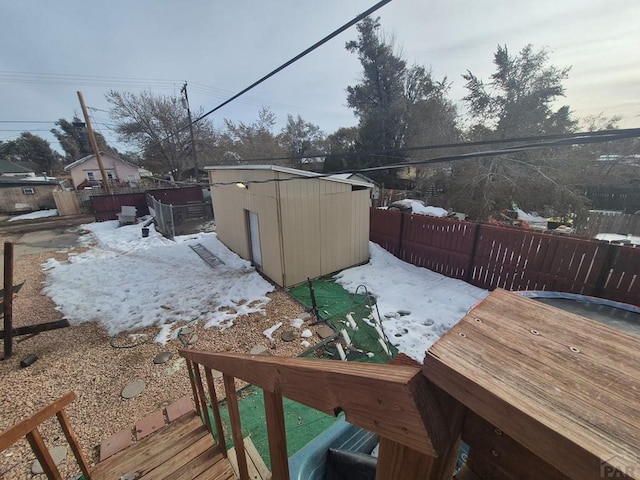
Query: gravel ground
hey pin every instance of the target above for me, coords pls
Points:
(80, 358)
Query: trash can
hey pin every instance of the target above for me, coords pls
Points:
(145, 232)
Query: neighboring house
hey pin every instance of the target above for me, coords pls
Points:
(295, 224)
(27, 194)
(85, 173)
(144, 172)
(13, 169)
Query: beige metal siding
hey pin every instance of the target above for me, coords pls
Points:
(324, 224)
(360, 226)
(301, 238)
(230, 204)
(325, 227)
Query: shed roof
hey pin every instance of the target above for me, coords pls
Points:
(12, 167)
(8, 182)
(294, 171)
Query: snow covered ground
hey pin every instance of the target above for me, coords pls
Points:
(126, 282)
(39, 214)
(436, 302)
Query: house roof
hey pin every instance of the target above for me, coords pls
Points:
(89, 157)
(293, 171)
(12, 167)
(8, 182)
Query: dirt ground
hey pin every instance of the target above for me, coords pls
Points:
(82, 358)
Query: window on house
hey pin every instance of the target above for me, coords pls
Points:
(28, 191)
(110, 175)
(90, 176)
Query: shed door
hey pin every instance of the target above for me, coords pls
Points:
(254, 238)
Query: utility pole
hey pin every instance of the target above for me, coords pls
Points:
(193, 141)
(94, 144)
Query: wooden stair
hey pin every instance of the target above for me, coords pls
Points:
(184, 450)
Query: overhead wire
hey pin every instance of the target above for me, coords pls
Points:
(583, 138)
(391, 151)
(285, 65)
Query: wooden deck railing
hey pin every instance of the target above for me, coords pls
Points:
(412, 418)
(29, 428)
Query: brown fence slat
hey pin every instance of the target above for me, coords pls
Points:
(178, 196)
(623, 284)
(510, 258)
(107, 207)
(385, 229)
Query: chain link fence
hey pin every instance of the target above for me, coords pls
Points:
(169, 218)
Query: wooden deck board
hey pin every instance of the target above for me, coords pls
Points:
(255, 464)
(182, 450)
(563, 386)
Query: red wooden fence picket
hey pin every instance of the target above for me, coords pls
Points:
(490, 256)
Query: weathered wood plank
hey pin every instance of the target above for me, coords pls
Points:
(201, 396)
(216, 411)
(73, 443)
(274, 413)
(210, 462)
(15, 433)
(255, 464)
(38, 328)
(154, 449)
(385, 404)
(202, 410)
(493, 454)
(179, 462)
(236, 425)
(42, 454)
(558, 384)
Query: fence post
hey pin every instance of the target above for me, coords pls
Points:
(159, 209)
(173, 222)
(401, 236)
(7, 300)
(472, 258)
(603, 275)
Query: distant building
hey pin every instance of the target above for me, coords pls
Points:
(85, 172)
(27, 194)
(16, 170)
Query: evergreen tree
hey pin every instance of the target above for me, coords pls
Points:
(517, 102)
(74, 139)
(395, 104)
(31, 148)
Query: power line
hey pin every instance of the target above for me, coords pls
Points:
(583, 138)
(390, 152)
(27, 121)
(286, 64)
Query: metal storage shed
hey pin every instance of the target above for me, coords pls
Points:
(292, 224)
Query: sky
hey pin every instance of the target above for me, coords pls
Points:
(169, 301)
(50, 50)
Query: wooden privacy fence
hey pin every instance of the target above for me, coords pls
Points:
(489, 256)
(592, 223)
(626, 200)
(67, 203)
(107, 207)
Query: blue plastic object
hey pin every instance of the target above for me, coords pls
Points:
(309, 463)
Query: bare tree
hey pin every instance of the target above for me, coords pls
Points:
(156, 125)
